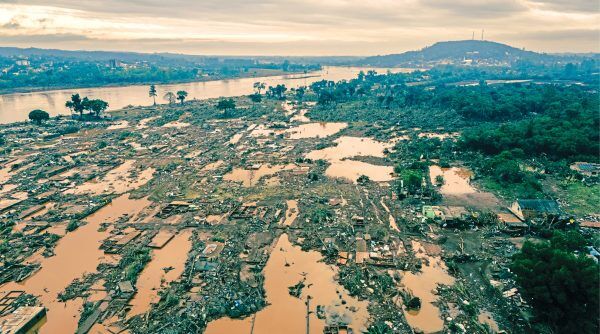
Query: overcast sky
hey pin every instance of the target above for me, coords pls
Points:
(296, 27)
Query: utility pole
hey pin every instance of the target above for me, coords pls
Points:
(308, 298)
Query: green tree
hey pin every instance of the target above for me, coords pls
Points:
(300, 91)
(226, 106)
(96, 106)
(258, 87)
(170, 97)
(181, 95)
(560, 282)
(255, 98)
(76, 105)
(38, 116)
(152, 93)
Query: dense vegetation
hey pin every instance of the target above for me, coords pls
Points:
(560, 282)
(43, 71)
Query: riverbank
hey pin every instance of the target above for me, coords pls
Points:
(15, 107)
(256, 73)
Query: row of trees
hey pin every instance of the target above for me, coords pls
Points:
(170, 97)
(79, 105)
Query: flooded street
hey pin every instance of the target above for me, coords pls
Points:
(424, 285)
(287, 314)
(75, 254)
(154, 277)
(250, 177)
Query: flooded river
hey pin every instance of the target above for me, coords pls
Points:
(16, 107)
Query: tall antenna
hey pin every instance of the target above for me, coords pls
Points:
(482, 34)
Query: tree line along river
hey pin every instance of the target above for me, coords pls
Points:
(16, 107)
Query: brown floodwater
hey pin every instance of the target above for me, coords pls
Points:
(250, 177)
(315, 130)
(118, 181)
(7, 171)
(291, 213)
(348, 147)
(287, 314)
(15, 107)
(75, 254)
(352, 170)
(154, 278)
(456, 180)
(424, 285)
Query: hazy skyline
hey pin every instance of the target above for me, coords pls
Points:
(293, 27)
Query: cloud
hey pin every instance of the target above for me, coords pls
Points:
(477, 9)
(587, 6)
(299, 27)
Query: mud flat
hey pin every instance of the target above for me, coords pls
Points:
(287, 266)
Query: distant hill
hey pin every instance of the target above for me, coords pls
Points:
(169, 58)
(456, 52)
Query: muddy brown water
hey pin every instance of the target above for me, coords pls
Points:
(456, 180)
(117, 180)
(287, 314)
(315, 130)
(291, 213)
(423, 285)
(348, 147)
(15, 107)
(154, 278)
(76, 253)
(250, 177)
(352, 170)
